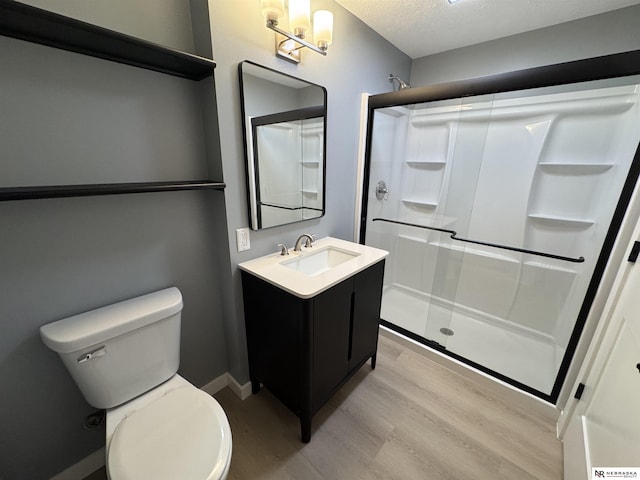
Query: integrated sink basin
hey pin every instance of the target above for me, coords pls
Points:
(313, 270)
(315, 262)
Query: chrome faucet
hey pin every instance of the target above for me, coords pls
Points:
(307, 243)
(283, 249)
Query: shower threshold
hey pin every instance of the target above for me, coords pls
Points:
(512, 352)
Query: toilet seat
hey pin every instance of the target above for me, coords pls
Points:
(182, 435)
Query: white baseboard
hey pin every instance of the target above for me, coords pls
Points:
(215, 385)
(491, 384)
(84, 467)
(242, 391)
(227, 380)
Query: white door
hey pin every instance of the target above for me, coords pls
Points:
(605, 430)
(612, 418)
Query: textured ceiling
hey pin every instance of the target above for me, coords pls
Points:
(425, 27)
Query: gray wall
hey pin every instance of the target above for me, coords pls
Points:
(263, 97)
(604, 34)
(358, 61)
(166, 22)
(69, 119)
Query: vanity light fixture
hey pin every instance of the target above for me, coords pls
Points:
(288, 45)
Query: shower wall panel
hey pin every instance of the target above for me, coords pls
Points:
(388, 146)
(540, 170)
(312, 143)
(290, 156)
(278, 145)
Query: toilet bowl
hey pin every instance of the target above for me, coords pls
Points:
(124, 358)
(175, 431)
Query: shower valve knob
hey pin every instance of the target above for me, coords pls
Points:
(382, 192)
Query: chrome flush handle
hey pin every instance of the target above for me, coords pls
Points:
(100, 352)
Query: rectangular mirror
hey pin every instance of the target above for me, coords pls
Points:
(284, 124)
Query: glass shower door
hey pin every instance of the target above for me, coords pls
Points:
(495, 213)
(454, 205)
(429, 174)
(403, 194)
(490, 206)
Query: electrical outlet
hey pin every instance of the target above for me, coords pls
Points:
(242, 239)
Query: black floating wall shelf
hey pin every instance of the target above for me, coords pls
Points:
(35, 25)
(60, 191)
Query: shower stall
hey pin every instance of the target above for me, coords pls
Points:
(500, 200)
(288, 150)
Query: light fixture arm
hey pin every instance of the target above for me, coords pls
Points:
(273, 25)
(282, 43)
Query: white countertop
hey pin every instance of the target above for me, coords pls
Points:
(300, 284)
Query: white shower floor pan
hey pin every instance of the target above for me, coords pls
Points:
(516, 352)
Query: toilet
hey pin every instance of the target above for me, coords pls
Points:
(124, 358)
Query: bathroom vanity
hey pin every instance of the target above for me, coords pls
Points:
(312, 321)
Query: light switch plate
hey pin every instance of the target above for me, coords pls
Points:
(242, 239)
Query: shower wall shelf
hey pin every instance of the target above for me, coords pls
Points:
(473, 251)
(414, 202)
(556, 219)
(550, 267)
(413, 239)
(426, 163)
(571, 168)
(64, 191)
(35, 25)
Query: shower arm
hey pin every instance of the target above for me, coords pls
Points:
(453, 234)
(401, 84)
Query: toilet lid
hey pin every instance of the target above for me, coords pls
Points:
(182, 435)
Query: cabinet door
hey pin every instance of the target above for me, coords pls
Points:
(331, 313)
(366, 313)
(274, 324)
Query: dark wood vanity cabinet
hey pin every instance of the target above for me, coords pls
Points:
(304, 350)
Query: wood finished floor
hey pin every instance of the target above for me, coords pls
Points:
(410, 418)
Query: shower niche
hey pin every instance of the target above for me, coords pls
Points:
(504, 204)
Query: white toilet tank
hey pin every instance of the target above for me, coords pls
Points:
(120, 351)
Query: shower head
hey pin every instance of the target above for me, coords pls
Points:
(401, 84)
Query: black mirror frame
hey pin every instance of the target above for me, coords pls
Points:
(248, 161)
